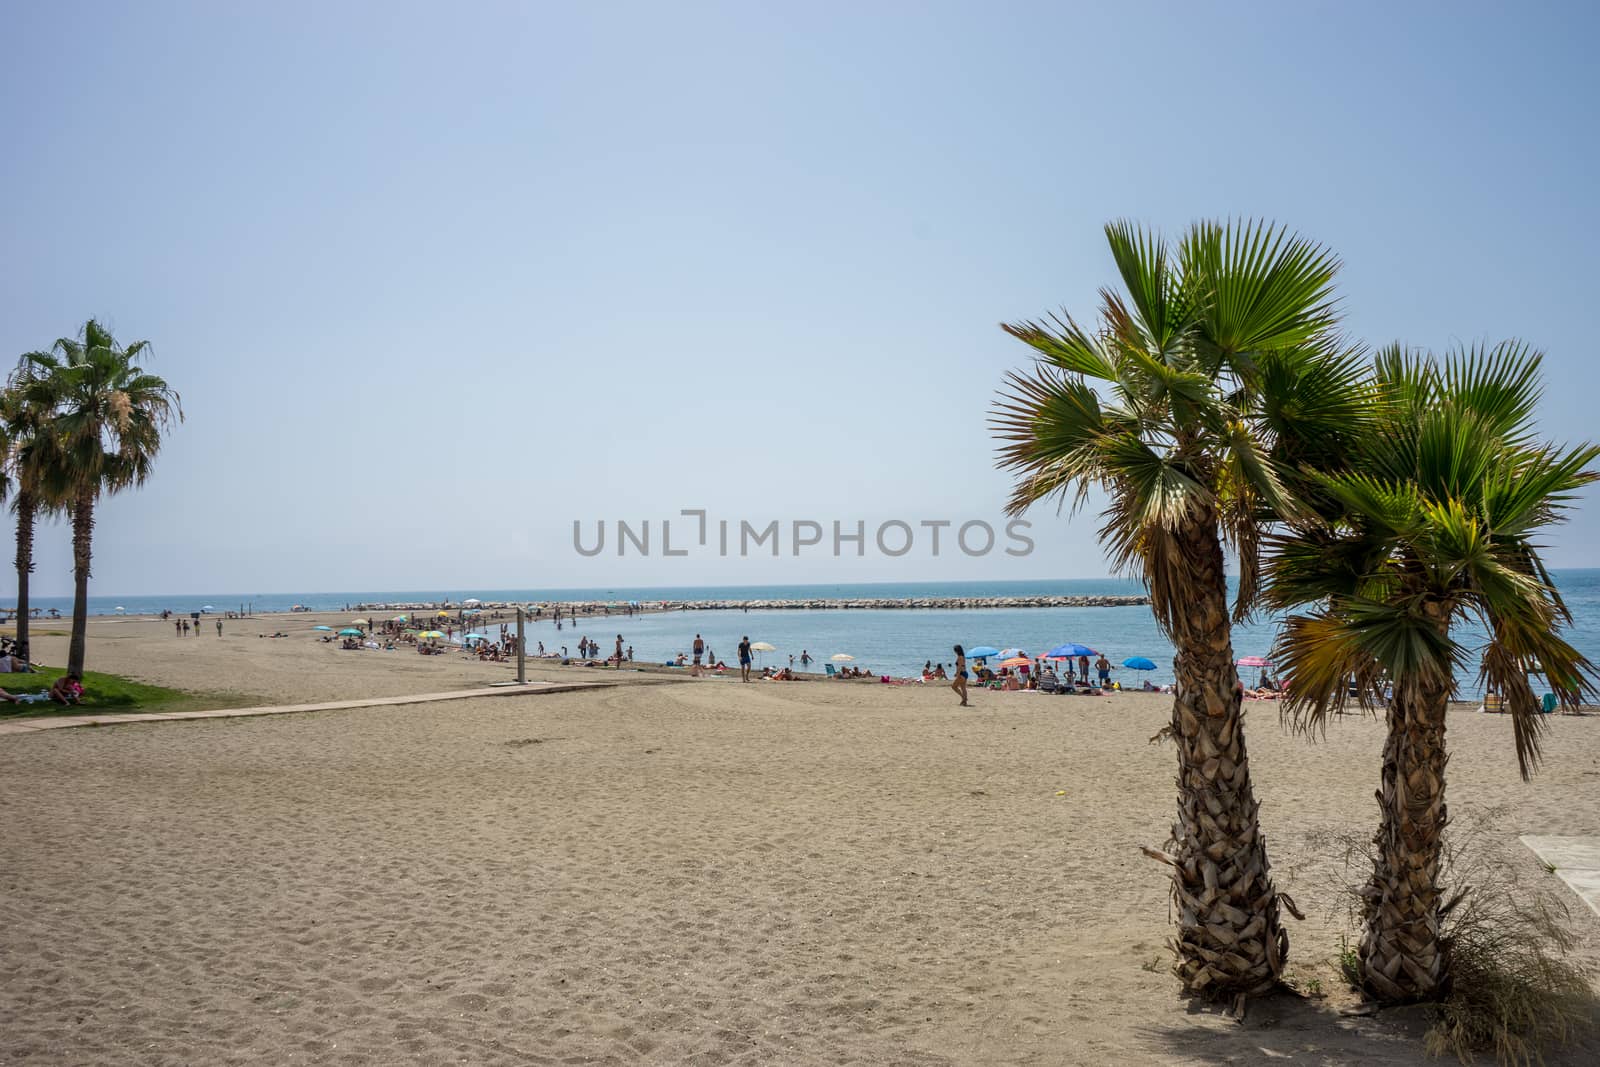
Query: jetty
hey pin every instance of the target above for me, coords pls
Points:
(933, 603)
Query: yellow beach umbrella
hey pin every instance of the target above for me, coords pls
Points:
(432, 635)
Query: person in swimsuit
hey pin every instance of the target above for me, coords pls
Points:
(959, 684)
(744, 658)
(699, 652)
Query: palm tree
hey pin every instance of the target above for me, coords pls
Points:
(1433, 526)
(1192, 406)
(26, 406)
(103, 437)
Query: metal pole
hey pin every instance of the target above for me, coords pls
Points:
(522, 653)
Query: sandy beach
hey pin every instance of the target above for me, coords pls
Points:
(701, 872)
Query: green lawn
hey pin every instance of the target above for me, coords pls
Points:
(108, 694)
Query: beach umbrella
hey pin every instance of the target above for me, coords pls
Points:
(472, 600)
(401, 618)
(1016, 661)
(431, 635)
(442, 615)
(328, 628)
(1253, 661)
(208, 607)
(472, 639)
(1138, 663)
(360, 622)
(120, 609)
(982, 652)
(349, 631)
(762, 646)
(1013, 653)
(1070, 651)
(842, 657)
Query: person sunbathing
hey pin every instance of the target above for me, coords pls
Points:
(68, 689)
(939, 674)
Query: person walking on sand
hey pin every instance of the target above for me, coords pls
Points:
(219, 627)
(959, 676)
(744, 658)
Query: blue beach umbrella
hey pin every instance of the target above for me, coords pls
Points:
(982, 652)
(1138, 663)
(468, 639)
(349, 631)
(328, 628)
(1070, 651)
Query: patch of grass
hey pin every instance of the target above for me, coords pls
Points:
(1349, 962)
(108, 694)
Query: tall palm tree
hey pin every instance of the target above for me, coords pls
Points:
(26, 406)
(1432, 531)
(1192, 406)
(109, 416)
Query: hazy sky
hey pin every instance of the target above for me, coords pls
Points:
(434, 281)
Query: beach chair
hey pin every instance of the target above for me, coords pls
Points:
(1550, 703)
(1493, 704)
(828, 669)
(1049, 684)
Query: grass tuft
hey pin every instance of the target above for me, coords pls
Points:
(108, 694)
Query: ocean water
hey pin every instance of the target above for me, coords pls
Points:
(893, 642)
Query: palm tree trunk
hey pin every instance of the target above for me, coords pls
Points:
(1402, 953)
(82, 536)
(26, 509)
(1230, 939)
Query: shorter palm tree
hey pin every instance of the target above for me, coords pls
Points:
(105, 429)
(1432, 531)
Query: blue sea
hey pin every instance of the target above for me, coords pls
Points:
(894, 642)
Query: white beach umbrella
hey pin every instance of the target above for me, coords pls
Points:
(472, 600)
(762, 646)
(842, 657)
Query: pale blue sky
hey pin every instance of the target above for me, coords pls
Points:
(435, 281)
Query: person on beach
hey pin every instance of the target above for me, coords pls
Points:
(1103, 666)
(1083, 669)
(805, 658)
(959, 682)
(68, 689)
(699, 654)
(744, 658)
(630, 653)
(619, 651)
(177, 627)
(219, 627)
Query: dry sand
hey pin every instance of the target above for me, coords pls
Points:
(705, 872)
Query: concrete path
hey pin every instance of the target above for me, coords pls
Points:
(1577, 863)
(62, 722)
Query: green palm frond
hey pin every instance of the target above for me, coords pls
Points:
(1063, 344)
(1499, 383)
(1266, 289)
(1161, 301)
